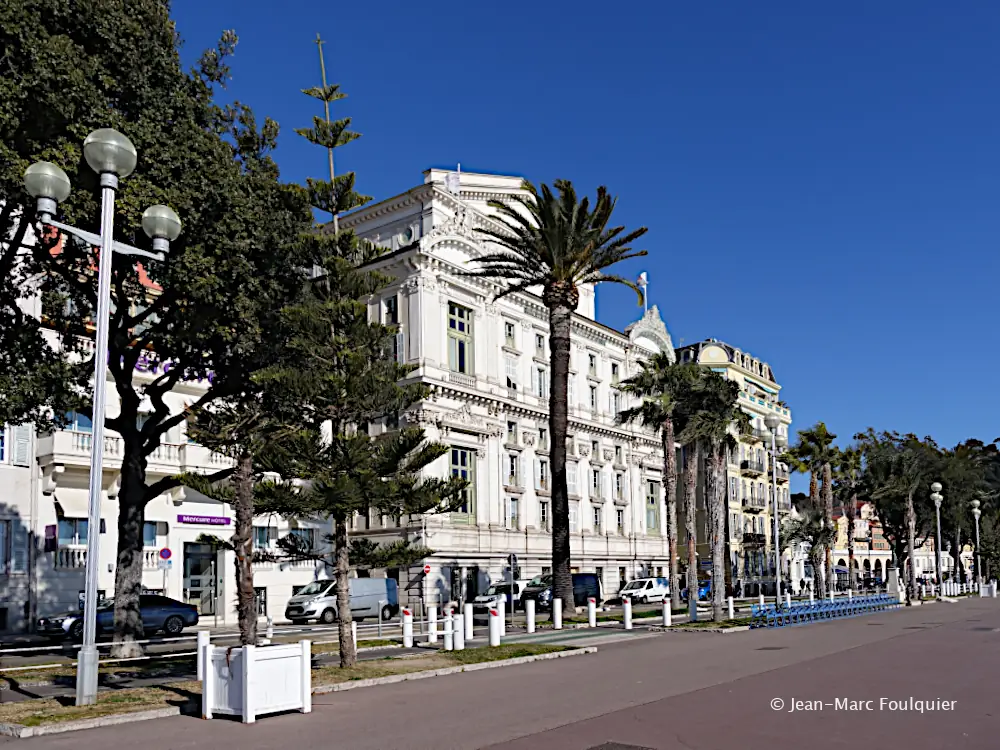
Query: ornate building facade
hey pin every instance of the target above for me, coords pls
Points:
(486, 362)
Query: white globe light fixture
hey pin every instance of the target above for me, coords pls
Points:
(162, 225)
(48, 185)
(772, 422)
(109, 152)
(780, 440)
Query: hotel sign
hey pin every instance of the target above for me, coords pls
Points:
(205, 520)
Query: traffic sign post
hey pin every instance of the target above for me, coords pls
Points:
(427, 570)
(512, 561)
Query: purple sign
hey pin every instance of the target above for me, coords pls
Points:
(206, 520)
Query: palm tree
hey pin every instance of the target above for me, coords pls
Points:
(557, 243)
(716, 415)
(816, 454)
(847, 483)
(810, 527)
(661, 384)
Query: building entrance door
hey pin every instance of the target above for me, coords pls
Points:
(199, 577)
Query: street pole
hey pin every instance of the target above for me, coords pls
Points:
(111, 155)
(976, 513)
(937, 497)
(772, 422)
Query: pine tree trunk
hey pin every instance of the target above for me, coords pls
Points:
(911, 547)
(693, 454)
(828, 516)
(348, 651)
(246, 600)
(128, 565)
(670, 483)
(715, 492)
(851, 513)
(562, 579)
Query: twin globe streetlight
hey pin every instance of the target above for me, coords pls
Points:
(938, 498)
(111, 155)
(777, 440)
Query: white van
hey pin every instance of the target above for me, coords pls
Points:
(370, 597)
(645, 590)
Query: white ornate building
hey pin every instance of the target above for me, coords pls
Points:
(487, 362)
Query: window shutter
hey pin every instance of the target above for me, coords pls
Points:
(19, 548)
(21, 453)
(400, 347)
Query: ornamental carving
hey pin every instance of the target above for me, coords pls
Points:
(608, 454)
(460, 224)
(528, 438)
(584, 451)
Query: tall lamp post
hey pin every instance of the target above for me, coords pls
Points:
(938, 498)
(976, 513)
(111, 155)
(777, 441)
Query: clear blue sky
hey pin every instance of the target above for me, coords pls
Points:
(820, 180)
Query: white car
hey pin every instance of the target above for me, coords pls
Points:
(645, 590)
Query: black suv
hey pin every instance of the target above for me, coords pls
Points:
(585, 586)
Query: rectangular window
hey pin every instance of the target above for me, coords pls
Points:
(149, 534)
(13, 547)
(307, 537)
(390, 310)
(620, 521)
(618, 455)
(78, 422)
(595, 451)
(571, 391)
(543, 439)
(463, 465)
(512, 433)
(72, 531)
(616, 403)
(512, 477)
(592, 364)
(541, 382)
(652, 506)
(572, 473)
(597, 520)
(543, 475)
(513, 519)
(539, 345)
(3, 443)
(459, 338)
(732, 489)
(508, 334)
(593, 398)
(614, 373)
(574, 515)
(619, 486)
(510, 369)
(543, 516)
(595, 483)
(262, 537)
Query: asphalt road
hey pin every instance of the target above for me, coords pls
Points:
(674, 690)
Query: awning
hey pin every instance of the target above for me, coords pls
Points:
(71, 504)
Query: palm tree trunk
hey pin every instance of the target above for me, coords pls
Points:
(851, 512)
(693, 453)
(246, 609)
(342, 568)
(715, 491)
(670, 483)
(828, 516)
(819, 576)
(562, 579)
(911, 547)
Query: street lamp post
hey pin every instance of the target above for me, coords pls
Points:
(976, 513)
(937, 497)
(111, 155)
(772, 422)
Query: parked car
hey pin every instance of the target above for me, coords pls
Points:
(645, 590)
(157, 612)
(482, 603)
(704, 591)
(370, 597)
(585, 586)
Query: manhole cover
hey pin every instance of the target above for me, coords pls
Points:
(618, 746)
(772, 648)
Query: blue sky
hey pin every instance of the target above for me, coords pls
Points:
(820, 181)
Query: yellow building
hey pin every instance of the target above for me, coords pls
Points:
(751, 475)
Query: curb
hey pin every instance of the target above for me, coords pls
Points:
(677, 629)
(392, 679)
(20, 731)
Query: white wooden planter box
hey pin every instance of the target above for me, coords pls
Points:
(256, 680)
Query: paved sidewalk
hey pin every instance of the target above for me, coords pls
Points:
(674, 690)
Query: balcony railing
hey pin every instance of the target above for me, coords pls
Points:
(752, 467)
(462, 379)
(74, 447)
(71, 558)
(782, 474)
(513, 480)
(753, 501)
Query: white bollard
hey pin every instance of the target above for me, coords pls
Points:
(467, 611)
(761, 600)
(354, 633)
(449, 643)
(495, 624)
(502, 608)
(557, 614)
(458, 638)
(850, 595)
(407, 627)
(432, 624)
(668, 614)
(204, 641)
(627, 612)
(269, 633)
(591, 612)
(832, 595)
(788, 599)
(731, 613)
(812, 597)
(529, 614)
(994, 590)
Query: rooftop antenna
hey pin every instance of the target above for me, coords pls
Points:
(326, 108)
